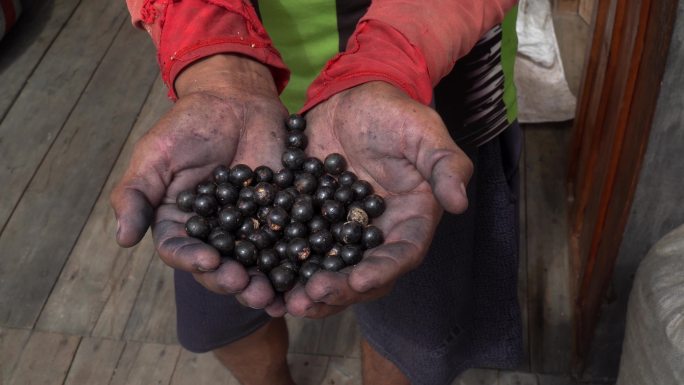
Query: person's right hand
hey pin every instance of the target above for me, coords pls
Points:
(228, 112)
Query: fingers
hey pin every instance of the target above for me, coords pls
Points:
(133, 214)
(259, 293)
(229, 278)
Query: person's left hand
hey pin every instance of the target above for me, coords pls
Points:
(404, 150)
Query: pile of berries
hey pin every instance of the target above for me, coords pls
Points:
(308, 216)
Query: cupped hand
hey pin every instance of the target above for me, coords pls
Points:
(228, 112)
(404, 150)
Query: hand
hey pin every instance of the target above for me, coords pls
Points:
(228, 112)
(404, 150)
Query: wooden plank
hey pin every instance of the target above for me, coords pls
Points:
(569, 6)
(307, 369)
(478, 377)
(153, 318)
(304, 334)
(340, 336)
(343, 371)
(573, 42)
(45, 359)
(47, 221)
(549, 301)
(100, 276)
(12, 343)
(23, 49)
(201, 369)
(517, 378)
(95, 361)
(145, 364)
(46, 101)
(556, 380)
(586, 10)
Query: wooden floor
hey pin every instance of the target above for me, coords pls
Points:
(78, 87)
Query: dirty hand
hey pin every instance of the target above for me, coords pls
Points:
(228, 112)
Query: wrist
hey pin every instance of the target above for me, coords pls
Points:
(224, 75)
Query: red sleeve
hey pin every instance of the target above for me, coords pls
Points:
(185, 31)
(411, 44)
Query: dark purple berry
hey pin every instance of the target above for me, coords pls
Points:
(351, 254)
(197, 227)
(308, 269)
(283, 178)
(262, 213)
(328, 181)
(264, 193)
(313, 166)
(221, 174)
(241, 175)
(247, 207)
(302, 210)
(267, 260)
(347, 178)
(293, 158)
(305, 183)
(245, 252)
(372, 237)
(333, 263)
(274, 236)
(336, 231)
(208, 188)
(351, 232)
(263, 174)
(287, 264)
(229, 219)
(333, 211)
(296, 139)
(185, 200)
(216, 232)
(277, 218)
(296, 230)
(323, 194)
(284, 200)
(356, 213)
(205, 205)
(298, 249)
(334, 164)
(247, 193)
(260, 239)
(247, 227)
(282, 278)
(361, 189)
(292, 191)
(295, 122)
(213, 222)
(321, 241)
(317, 223)
(374, 205)
(344, 195)
(315, 258)
(224, 243)
(281, 249)
(227, 194)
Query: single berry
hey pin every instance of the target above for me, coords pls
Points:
(221, 174)
(334, 164)
(262, 213)
(281, 249)
(295, 122)
(344, 195)
(277, 218)
(298, 249)
(321, 241)
(284, 200)
(247, 193)
(347, 178)
(205, 205)
(356, 213)
(292, 191)
(296, 139)
(245, 252)
(287, 264)
(323, 194)
(313, 166)
(263, 174)
(284, 178)
(264, 193)
(317, 223)
(302, 210)
(213, 222)
(247, 227)
(229, 219)
(361, 189)
(333, 211)
(372, 237)
(282, 278)
(328, 180)
(293, 158)
(274, 236)
(247, 207)
(333, 263)
(305, 183)
(308, 269)
(351, 232)
(351, 254)
(260, 239)
(374, 205)
(208, 188)
(224, 243)
(227, 194)
(241, 175)
(216, 232)
(336, 231)
(185, 200)
(197, 227)
(267, 260)
(296, 230)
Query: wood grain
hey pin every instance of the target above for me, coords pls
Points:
(146, 364)
(95, 361)
(99, 276)
(478, 377)
(45, 360)
(304, 334)
(517, 378)
(12, 342)
(53, 209)
(307, 369)
(343, 371)
(201, 369)
(340, 336)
